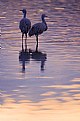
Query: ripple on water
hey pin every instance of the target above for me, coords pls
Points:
(35, 85)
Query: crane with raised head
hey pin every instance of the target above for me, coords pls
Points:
(24, 26)
(38, 29)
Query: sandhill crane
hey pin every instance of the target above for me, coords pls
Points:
(38, 29)
(24, 26)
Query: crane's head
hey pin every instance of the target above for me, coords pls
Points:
(43, 16)
(24, 11)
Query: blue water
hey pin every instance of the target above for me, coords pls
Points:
(59, 75)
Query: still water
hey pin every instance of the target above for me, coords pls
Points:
(39, 89)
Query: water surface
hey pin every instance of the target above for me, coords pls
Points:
(40, 89)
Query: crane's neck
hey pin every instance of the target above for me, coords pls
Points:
(24, 15)
(43, 20)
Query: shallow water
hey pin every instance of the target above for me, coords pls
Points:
(40, 88)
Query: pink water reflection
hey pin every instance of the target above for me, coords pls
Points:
(35, 95)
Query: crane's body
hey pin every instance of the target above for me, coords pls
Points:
(38, 29)
(24, 26)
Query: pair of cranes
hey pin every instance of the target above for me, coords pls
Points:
(36, 29)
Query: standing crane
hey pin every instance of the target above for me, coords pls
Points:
(24, 26)
(38, 29)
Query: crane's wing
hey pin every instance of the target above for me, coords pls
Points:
(37, 29)
(25, 25)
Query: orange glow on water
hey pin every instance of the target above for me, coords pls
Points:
(48, 109)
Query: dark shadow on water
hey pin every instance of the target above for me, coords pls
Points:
(25, 56)
(39, 56)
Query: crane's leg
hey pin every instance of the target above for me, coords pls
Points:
(22, 41)
(25, 42)
(37, 43)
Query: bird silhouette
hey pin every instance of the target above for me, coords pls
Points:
(38, 29)
(24, 26)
